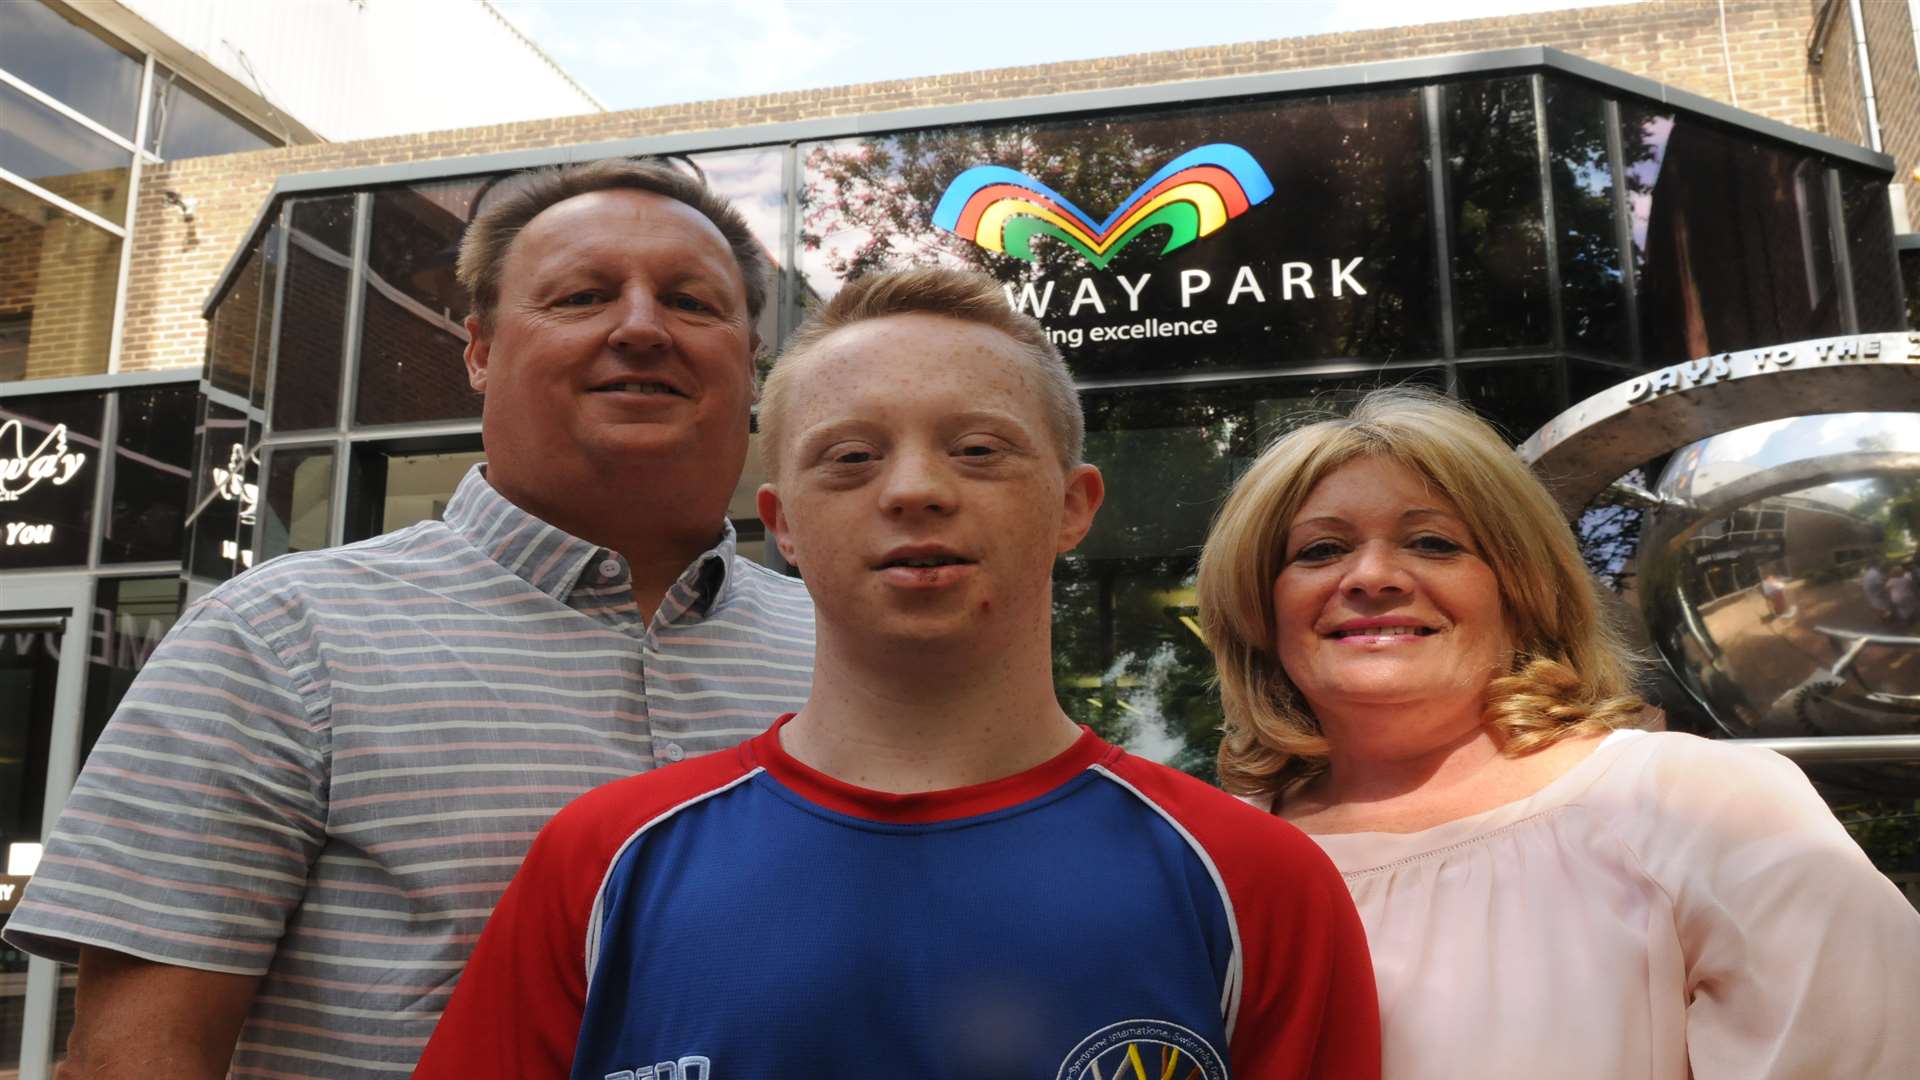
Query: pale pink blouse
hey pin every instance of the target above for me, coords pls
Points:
(1670, 907)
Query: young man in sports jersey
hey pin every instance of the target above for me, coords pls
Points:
(929, 871)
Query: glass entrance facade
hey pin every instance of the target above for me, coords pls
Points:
(1518, 238)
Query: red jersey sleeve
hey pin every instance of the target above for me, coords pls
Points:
(1306, 1004)
(516, 1012)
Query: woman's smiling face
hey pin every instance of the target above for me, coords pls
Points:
(1383, 598)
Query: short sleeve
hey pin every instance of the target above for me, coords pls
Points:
(188, 835)
(516, 1011)
(1801, 958)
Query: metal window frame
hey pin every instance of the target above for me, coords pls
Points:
(1842, 258)
(78, 117)
(68, 597)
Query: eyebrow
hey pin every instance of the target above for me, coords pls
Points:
(848, 424)
(1416, 513)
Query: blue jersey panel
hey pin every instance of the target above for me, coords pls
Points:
(780, 938)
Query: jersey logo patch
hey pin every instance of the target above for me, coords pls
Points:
(1142, 1050)
(691, 1067)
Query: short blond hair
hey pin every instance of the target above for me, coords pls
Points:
(966, 295)
(1572, 671)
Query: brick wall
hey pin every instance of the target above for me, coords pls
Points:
(1896, 92)
(1677, 42)
(1843, 108)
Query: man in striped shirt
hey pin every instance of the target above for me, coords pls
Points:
(283, 847)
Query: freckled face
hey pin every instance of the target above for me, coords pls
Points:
(1383, 598)
(620, 342)
(920, 491)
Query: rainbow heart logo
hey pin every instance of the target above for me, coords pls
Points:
(1195, 194)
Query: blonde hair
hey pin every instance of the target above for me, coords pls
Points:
(966, 295)
(1571, 672)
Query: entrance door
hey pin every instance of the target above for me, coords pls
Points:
(43, 658)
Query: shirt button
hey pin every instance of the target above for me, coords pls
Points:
(674, 752)
(610, 568)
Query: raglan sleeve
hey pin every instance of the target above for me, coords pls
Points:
(516, 1011)
(1308, 1007)
(1304, 1006)
(1801, 958)
(189, 834)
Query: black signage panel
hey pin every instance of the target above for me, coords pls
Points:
(1243, 236)
(49, 462)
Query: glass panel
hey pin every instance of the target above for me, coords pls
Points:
(313, 315)
(415, 306)
(269, 256)
(299, 493)
(411, 368)
(57, 280)
(419, 485)
(130, 615)
(152, 475)
(750, 540)
(49, 459)
(1305, 236)
(1910, 277)
(1493, 205)
(183, 122)
(1732, 246)
(1585, 379)
(63, 156)
(746, 493)
(225, 495)
(1128, 659)
(1877, 296)
(66, 59)
(416, 238)
(752, 181)
(1516, 398)
(29, 669)
(233, 340)
(1592, 297)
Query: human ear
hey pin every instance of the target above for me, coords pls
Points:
(1080, 501)
(478, 352)
(774, 517)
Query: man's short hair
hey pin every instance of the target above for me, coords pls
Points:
(521, 198)
(966, 295)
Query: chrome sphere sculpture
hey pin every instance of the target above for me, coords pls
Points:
(1779, 577)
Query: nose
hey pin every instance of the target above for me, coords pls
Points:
(639, 323)
(1375, 569)
(918, 482)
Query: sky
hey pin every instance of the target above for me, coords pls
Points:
(635, 53)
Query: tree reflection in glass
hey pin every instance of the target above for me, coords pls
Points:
(1128, 659)
(1498, 225)
(1592, 294)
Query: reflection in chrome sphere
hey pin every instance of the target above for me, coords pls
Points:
(1779, 578)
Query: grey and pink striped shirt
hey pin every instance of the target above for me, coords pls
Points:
(331, 768)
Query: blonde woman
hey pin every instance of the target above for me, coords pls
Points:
(1416, 671)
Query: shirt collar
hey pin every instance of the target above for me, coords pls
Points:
(553, 560)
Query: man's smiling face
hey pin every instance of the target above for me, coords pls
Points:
(621, 339)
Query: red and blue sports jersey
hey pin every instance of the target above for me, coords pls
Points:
(742, 916)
